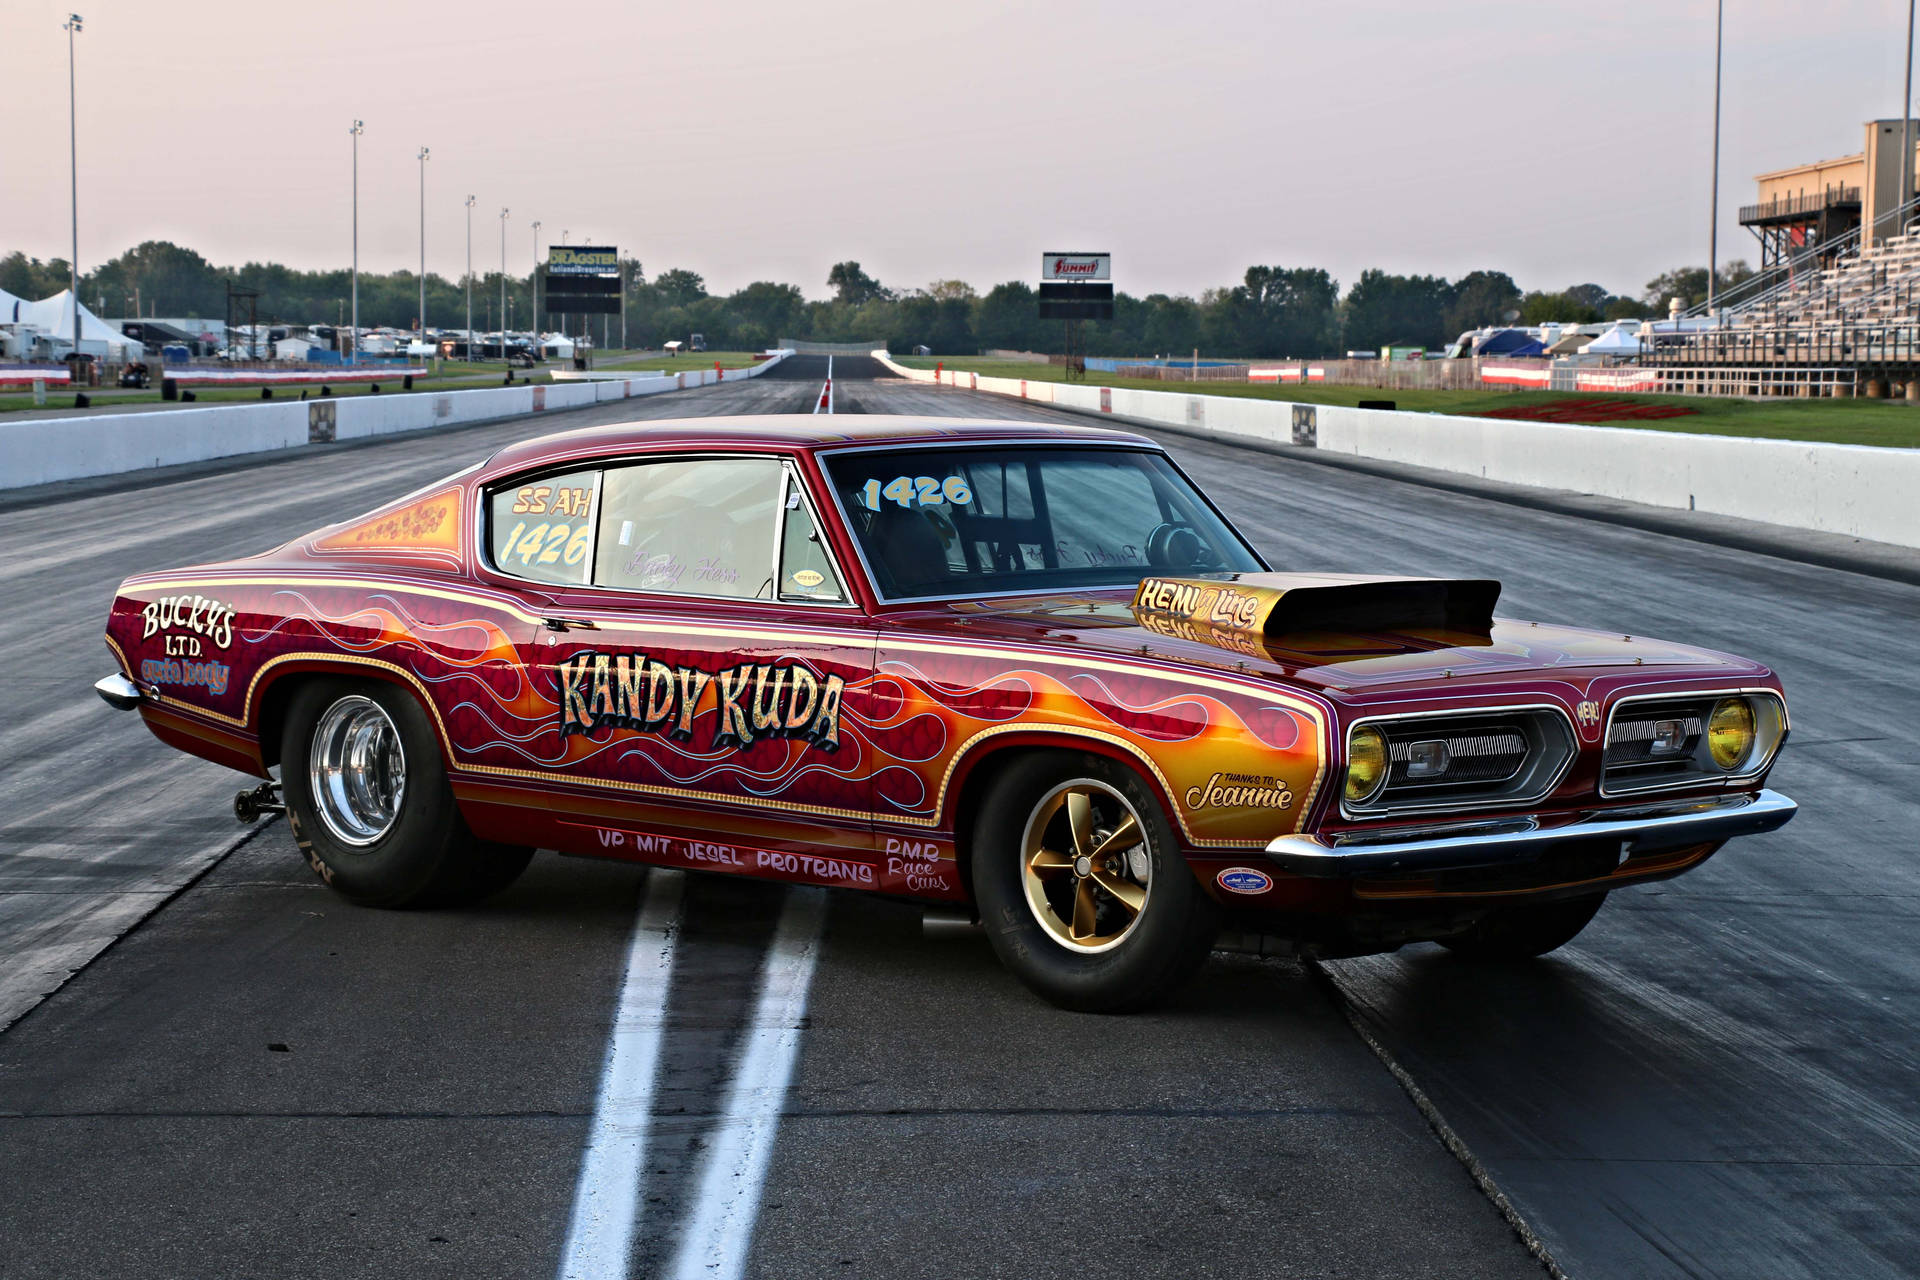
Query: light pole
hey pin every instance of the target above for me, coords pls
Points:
(1906, 126)
(423, 246)
(72, 25)
(533, 281)
(1713, 225)
(503, 283)
(353, 329)
(470, 201)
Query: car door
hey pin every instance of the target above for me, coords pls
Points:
(703, 660)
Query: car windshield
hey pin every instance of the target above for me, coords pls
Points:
(976, 521)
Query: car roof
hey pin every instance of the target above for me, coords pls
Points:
(785, 433)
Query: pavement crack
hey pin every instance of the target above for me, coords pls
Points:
(1451, 1140)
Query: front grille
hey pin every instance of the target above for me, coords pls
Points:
(1455, 761)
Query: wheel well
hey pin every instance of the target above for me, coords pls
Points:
(271, 721)
(993, 763)
(966, 805)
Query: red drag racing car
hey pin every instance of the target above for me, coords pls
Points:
(1024, 671)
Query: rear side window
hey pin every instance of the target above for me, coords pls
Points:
(545, 530)
(703, 527)
(731, 528)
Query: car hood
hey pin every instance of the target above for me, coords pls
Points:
(1343, 661)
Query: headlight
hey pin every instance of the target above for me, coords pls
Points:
(1730, 732)
(1366, 764)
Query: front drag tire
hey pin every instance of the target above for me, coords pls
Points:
(1082, 887)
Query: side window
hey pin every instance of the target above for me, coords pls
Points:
(701, 527)
(806, 572)
(544, 530)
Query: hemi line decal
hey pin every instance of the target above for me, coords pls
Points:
(719, 1234)
(612, 1186)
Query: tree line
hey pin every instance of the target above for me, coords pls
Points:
(1273, 312)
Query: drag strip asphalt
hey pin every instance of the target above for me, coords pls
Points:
(1715, 1080)
(1718, 1078)
(100, 825)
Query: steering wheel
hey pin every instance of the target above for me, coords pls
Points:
(1177, 545)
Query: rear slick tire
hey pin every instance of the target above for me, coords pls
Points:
(370, 806)
(1521, 933)
(1082, 887)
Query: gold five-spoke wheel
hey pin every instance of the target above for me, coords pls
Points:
(1088, 870)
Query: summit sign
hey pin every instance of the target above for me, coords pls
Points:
(1075, 266)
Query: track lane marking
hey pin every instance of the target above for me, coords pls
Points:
(611, 1189)
(719, 1234)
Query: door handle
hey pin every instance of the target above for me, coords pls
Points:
(569, 624)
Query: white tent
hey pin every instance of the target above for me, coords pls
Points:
(12, 309)
(1620, 341)
(55, 315)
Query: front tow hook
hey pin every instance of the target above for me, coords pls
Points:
(250, 806)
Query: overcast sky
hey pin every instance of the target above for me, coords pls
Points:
(1561, 143)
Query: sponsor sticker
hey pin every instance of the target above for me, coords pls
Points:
(1244, 880)
(1240, 791)
(808, 578)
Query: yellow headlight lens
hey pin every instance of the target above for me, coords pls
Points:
(1366, 764)
(1730, 732)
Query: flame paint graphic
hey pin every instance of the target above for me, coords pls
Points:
(493, 678)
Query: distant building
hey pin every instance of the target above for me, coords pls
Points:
(1827, 200)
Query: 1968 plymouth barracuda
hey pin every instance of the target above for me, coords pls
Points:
(1024, 671)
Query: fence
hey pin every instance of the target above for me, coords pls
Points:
(801, 347)
(46, 450)
(1389, 375)
(1855, 490)
(1837, 344)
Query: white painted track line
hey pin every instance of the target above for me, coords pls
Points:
(607, 1199)
(719, 1232)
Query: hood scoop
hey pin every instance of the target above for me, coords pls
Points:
(1277, 604)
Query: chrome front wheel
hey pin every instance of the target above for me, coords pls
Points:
(357, 768)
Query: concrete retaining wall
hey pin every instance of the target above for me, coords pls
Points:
(45, 450)
(1854, 490)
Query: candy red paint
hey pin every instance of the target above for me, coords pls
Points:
(932, 695)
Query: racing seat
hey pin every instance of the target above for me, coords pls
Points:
(910, 551)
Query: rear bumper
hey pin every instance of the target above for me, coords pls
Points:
(119, 692)
(1640, 830)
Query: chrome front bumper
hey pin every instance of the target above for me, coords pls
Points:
(1642, 829)
(119, 692)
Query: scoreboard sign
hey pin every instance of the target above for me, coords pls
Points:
(583, 280)
(583, 260)
(1076, 266)
(1076, 286)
